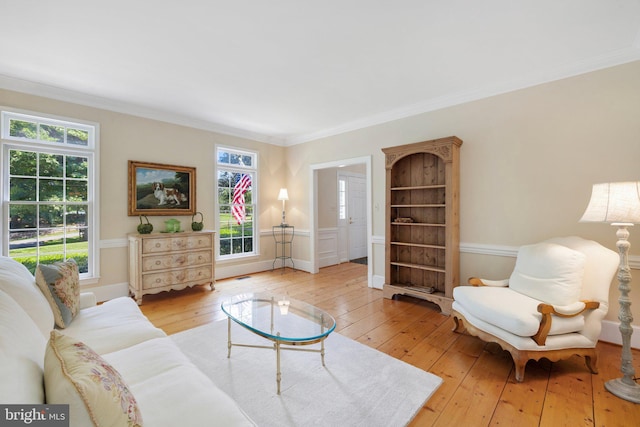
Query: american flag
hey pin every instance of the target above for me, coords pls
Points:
(243, 182)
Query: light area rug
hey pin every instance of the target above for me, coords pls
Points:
(359, 386)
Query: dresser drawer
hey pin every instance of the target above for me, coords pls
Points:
(202, 274)
(160, 262)
(167, 261)
(176, 243)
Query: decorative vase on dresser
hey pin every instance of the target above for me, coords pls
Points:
(170, 261)
(422, 236)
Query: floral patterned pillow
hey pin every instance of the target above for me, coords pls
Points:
(97, 395)
(60, 284)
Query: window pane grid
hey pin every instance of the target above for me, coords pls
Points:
(36, 129)
(51, 226)
(48, 190)
(235, 183)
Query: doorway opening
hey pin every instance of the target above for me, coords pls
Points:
(350, 237)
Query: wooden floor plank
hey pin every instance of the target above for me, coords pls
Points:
(521, 404)
(479, 388)
(476, 398)
(610, 410)
(453, 367)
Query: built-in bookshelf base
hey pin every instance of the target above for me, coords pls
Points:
(438, 298)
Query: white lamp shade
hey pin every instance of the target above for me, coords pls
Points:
(283, 195)
(616, 202)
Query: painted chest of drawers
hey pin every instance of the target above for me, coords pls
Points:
(170, 261)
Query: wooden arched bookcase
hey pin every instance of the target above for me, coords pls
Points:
(422, 236)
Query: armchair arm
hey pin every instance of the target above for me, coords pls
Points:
(561, 311)
(476, 281)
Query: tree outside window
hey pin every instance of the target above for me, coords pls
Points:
(48, 191)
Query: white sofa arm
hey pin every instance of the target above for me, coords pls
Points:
(87, 299)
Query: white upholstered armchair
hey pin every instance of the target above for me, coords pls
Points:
(551, 307)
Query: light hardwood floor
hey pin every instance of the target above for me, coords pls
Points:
(479, 387)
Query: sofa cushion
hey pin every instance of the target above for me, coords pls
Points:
(112, 325)
(511, 311)
(19, 283)
(549, 273)
(95, 392)
(60, 284)
(22, 347)
(162, 377)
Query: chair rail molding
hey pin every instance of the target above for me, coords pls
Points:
(512, 251)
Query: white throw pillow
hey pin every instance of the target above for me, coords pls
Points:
(97, 395)
(22, 347)
(549, 272)
(20, 284)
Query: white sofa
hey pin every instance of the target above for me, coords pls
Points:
(167, 388)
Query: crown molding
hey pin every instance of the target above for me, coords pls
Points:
(66, 95)
(611, 59)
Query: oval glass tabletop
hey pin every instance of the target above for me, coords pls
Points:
(279, 317)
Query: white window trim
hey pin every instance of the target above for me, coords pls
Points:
(92, 151)
(256, 224)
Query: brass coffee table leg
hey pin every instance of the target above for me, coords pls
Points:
(229, 337)
(278, 373)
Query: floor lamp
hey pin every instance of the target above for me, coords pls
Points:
(618, 203)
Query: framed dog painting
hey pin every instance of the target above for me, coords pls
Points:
(157, 189)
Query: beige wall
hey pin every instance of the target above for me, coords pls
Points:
(529, 159)
(327, 198)
(124, 137)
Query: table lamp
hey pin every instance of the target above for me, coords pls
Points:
(283, 195)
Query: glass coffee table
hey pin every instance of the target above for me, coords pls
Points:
(286, 322)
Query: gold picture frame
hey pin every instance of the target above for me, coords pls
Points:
(159, 189)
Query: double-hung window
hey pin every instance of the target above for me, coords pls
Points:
(49, 190)
(236, 183)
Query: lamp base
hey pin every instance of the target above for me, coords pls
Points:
(630, 392)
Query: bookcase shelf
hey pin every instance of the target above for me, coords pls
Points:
(422, 236)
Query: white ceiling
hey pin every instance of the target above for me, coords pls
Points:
(289, 71)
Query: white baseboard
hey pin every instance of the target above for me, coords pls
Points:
(226, 271)
(611, 333)
(377, 282)
(107, 292)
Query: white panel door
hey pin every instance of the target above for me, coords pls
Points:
(357, 216)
